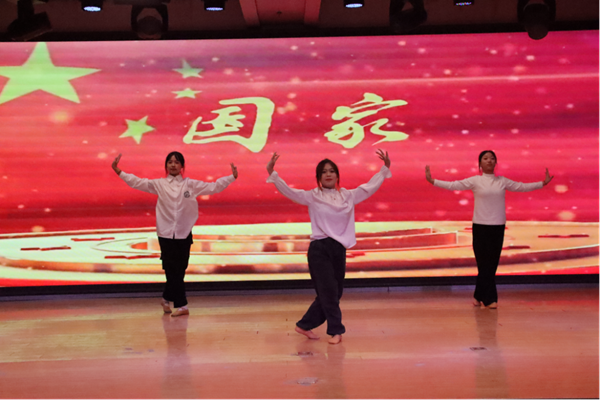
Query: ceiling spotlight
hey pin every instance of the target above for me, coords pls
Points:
(91, 5)
(464, 2)
(214, 5)
(354, 3)
(536, 17)
(153, 24)
(404, 19)
(28, 25)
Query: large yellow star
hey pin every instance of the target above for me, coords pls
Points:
(187, 92)
(136, 129)
(39, 73)
(188, 72)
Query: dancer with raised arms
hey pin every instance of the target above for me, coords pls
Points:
(331, 211)
(176, 214)
(489, 220)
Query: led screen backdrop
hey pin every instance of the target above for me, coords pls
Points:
(67, 109)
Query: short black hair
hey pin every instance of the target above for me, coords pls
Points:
(319, 172)
(178, 157)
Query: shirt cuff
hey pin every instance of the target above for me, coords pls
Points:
(386, 172)
(272, 177)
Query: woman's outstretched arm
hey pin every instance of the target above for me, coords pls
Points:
(296, 195)
(366, 190)
(143, 184)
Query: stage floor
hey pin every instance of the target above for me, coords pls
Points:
(420, 342)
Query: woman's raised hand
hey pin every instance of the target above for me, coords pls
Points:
(428, 174)
(115, 164)
(234, 171)
(384, 157)
(548, 178)
(272, 162)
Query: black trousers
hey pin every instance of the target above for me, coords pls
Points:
(327, 266)
(175, 255)
(487, 246)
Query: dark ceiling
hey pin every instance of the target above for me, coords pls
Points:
(282, 18)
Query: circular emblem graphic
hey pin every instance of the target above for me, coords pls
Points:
(186, 194)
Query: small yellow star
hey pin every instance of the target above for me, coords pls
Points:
(188, 72)
(187, 92)
(136, 129)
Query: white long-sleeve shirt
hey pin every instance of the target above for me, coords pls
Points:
(488, 191)
(332, 212)
(177, 207)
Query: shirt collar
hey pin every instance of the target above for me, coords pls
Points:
(488, 175)
(178, 178)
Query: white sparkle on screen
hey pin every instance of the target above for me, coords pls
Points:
(447, 72)
(291, 95)
(47, 210)
(312, 43)
(453, 171)
(20, 206)
(517, 112)
(102, 156)
(103, 123)
(463, 90)
(566, 215)
(574, 208)
(570, 106)
(344, 151)
(205, 197)
(494, 52)
(455, 116)
(564, 61)
(463, 202)
(382, 206)
(215, 59)
(561, 188)
(530, 58)
(295, 80)
(421, 51)
(84, 141)
(440, 213)
(402, 43)
(294, 48)
(465, 131)
(314, 54)
(428, 141)
(4, 177)
(514, 131)
(228, 71)
(37, 228)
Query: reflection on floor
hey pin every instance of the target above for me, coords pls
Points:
(425, 342)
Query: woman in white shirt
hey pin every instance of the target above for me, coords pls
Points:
(331, 211)
(176, 214)
(489, 220)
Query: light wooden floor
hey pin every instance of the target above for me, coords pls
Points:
(402, 343)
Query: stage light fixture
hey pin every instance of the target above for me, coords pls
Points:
(214, 5)
(401, 20)
(536, 17)
(463, 3)
(354, 3)
(149, 26)
(91, 5)
(28, 25)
